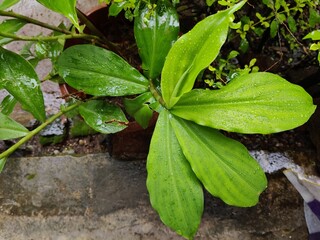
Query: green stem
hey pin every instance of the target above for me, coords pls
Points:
(33, 21)
(156, 94)
(49, 38)
(32, 133)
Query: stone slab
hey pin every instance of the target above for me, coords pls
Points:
(98, 197)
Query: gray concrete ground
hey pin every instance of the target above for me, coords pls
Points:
(98, 197)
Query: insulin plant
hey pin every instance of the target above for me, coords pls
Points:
(187, 151)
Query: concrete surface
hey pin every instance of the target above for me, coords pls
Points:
(98, 197)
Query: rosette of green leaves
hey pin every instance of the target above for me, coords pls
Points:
(187, 151)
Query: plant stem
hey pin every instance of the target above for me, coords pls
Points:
(50, 38)
(156, 94)
(33, 21)
(32, 133)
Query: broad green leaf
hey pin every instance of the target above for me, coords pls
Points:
(155, 31)
(19, 78)
(175, 192)
(99, 72)
(223, 165)
(103, 117)
(315, 46)
(244, 45)
(210, 2)
(116, 7)
(10, 26)
(139, 108)
(274, 27)
(64, 7)
(314, 17)
(193, 52)
(2, 163)
(7, 3)
(314, 35)
(10, 129)
(292, 24)
(7, 104)
(253, 103)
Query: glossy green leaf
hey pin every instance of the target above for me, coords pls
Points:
(64, 7)
(7, 3)
(244, 45)
(155, 31)
(10, 26)
(99, 72)
(315, 46)
(223, 165)
(139, 108)
(274, 27)
(103, 117)
(193, 52)
(7, 104)
(175, 192)
(2, 163)
(314, 35)
(253, 103)
(314, 17)
(10, 129)
(210, 2)
(116, 7)
(19, 78)
(292, 24)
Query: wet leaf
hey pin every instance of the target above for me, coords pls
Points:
(19, 78)
(139, 108)
(116, 7)
(10, 129)
(155, 31)
(10, 26)
(210, 2)
(193, 52)
(64, 7)
(99, 72)
(7, 104)
(103, 117)
(7, 3)
(253, 103)
(314, 35)
(314, 17)
(244, 45)
(223, 165)
(274, 27)
(292, 24)
(175, 192)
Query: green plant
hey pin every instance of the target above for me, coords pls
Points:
(225, 70)
(288, 20)
(187, 151)
(314, 36)
(130, 7)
